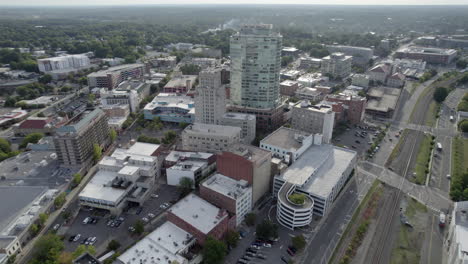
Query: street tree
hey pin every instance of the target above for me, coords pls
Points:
(214, 251)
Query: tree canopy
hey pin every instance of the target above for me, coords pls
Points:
(214, 251)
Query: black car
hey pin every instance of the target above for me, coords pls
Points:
(357, 141)
(293, 249)
(139, 210)
(71, 238)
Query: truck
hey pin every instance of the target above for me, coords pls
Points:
(439, 146)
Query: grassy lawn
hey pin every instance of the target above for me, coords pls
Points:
(422, 160)
(432, 113)
(459, 167)
(397, 149)
(408, 247)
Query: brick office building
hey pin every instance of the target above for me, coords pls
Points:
(353, 106)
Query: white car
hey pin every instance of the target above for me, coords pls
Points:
(77, 237)
(144, 219)
(56, 227)
(267, 245)
(150, 215)
(154, 195)
(162, 206)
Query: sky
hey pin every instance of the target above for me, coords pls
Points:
(184, 2)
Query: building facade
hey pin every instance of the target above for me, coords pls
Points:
(171, 108)
(361, 55)
(209, 138)
(74, 141)
(336, 64)
(246, 122)
(314, 119)
(353, 107)
(210, 97)
(429, 55)
(113, 76)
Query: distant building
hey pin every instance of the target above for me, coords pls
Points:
(117, 114)
(454, 42)
(396, 80)
(230, 194)
(361, 80)
(66, 64)
(309, 62)
(289, 144)
(200, 218)
(314, 119)
(210, 138)
(167, 244)
(288, 74)
(204, 62)
(361, 55)
(248, 163)
(347, 108)
(312, 79)
(410, 68)
(382, 101)
(171, 108)
(43, 125)
(113, 76)
(12, 117)
(336, 64)
(128, 175)
(288, 87)
(290, 51)
(180, 84)
(74, 141)
(308, 93)
(319, 174)
(429, 55)
(380, 73)
(168, 62)
(207, 52)
(457, 234)
(115, 97)
(40, 101)
(246, 122)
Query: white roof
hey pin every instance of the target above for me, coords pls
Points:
(239, 116)
(99, 188)
(171, 100)
(176, 155)
(189, 165)
(199, 213)
(319, 169)
(163, 245)
(227, 186)
(140, 148)
(209, 129)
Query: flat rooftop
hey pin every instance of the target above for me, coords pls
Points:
(383, 99)
(174, 156)
(115, 69)
(239, 116)
(285, 138)
(100, 188)
(181, 81)
(425, 50)
(209, 129)
(226, 186)
(15, 201)
(199, 213)
(189, 165)
(140, 148)
(168, 100)
(319, 169)
(461, 228)
(319, 108)
(163, 245)
(249, 152)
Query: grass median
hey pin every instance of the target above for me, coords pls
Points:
(422, 160)
(458, 185)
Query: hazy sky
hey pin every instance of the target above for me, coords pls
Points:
(145, 2)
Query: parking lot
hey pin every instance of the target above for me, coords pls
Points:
(107, 228)
(356, 138)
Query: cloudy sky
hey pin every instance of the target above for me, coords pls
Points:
(145, 2)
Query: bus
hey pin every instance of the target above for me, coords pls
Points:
(439, 146)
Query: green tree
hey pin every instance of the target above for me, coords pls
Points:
(31, 138)
(113, 245)
(81, 249)
(33, 229)
(267, 230)
(43, 218)
(440, 94)
(97, 152)
(47, 249)
(286, 60)
(190, 69)
(112, 135)
(185, 186)
(5, 145)
(463, 125)
(461, 64)
(60, 200)
(250, 219)
(183, 125)
(139, 227)
(10, 102)
(11, 259)
(232, 237)
(298, 242)
(45, 79)
(77, 179)
(214, 251)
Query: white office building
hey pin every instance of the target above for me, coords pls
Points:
(67, 62)
(128, 175)
(246, 122)
(314, 119)
(210, 97)
(336, 64)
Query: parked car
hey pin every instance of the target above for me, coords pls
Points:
(56, 227)
(150, 215)
(72, 238)
(131, 229)
(154, 195)
(77, 237)
(86, 220)
(144, 219)
(138, 211)
(267, 245)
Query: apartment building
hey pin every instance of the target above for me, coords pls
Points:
(348, 108)
(210, 97)
(313, 119)
(74, 141)
(337, 65)
(361, 55)
(66, 62)
(113, 76)
(209, 138)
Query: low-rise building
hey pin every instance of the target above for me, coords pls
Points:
(248, 163)
(209, 138)
(195, 170)
(10, 245)
(204, 62)
(380, 73)
(128, 175)
(290, 51)
(361, 55)
(12, 117)
(288, 74)
(309, 62)
(267, 119)
(168, 62)
(308, 93)
(115, 97)
(180, 84)
(171, 108)
(288, 87)
(43, 125)
(313, 119)
(200, 218)
(227, 193)
(312, 79)
(289, 144)
(320, 173)
(113, 76)
(382, 101)
(116, 115)
(457, 234)
(338, 65)
(246, 122)
(396, 80)
(361, 80)
(167, 244)
(348, 108)
(429, 55)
